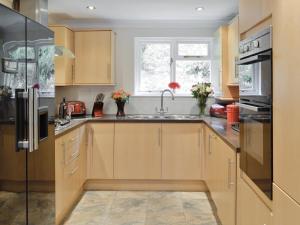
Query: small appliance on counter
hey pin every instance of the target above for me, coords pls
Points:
(98, 105)
(233, 111)
(218, 110)
(76, 108)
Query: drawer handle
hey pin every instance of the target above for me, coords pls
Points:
(230, 183)
(74, 171)
(75, 154)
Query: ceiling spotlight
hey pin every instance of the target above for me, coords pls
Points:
(91, 7)
(199, 9)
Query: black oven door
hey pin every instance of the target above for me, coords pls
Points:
(256, 145)
(255, 75)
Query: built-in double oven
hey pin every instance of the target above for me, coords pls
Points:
(255, 74)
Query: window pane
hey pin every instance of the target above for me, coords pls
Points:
(193, 49)
(155, 67)
(189, 73)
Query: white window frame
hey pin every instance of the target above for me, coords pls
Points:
(174, 57)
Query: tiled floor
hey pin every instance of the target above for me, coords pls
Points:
(143, 208)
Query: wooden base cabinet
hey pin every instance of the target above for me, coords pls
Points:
(100, 151)
(250, 208)
(181, 151)
(137, 152)
(286, 209)
(221, 176)
(69, 171)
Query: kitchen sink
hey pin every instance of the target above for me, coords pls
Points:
(166, 117)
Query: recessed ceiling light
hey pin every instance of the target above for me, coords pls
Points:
(199, 9)
(91, 7)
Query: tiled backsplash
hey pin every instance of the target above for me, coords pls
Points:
(136, 105)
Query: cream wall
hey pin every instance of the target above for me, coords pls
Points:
(125, 74)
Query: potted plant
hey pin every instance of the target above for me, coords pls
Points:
(201, 91)
(120, 97)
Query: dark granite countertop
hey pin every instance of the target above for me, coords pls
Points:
(218, 125)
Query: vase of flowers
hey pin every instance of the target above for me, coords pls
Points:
(201, 91)
(120, 97)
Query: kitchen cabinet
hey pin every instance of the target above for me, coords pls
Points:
(64, 64)
(94, 63)
(182, 151)
(137, 152)
(69, 171)
(251, 210)
(233, 51)
(8, 3)
(286, 209)
(221, 176)
(286, 78)
(100, 151)
(220, 66)
(252, 12)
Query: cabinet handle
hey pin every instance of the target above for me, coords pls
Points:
(159, 137)
(64, 152)
(199, 137)
(209, 144)
(74, 171)
(230, 183)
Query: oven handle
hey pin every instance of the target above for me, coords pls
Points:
(254, 108)
(253, 59)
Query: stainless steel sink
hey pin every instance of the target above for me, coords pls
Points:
(163, 117)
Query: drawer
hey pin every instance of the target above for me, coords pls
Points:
(71, 146)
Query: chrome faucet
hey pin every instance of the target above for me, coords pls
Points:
(162, 111)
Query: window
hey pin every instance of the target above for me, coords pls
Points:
(159, 61)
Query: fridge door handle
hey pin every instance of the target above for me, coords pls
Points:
(21, 120)
(35, 116)
(31, 127)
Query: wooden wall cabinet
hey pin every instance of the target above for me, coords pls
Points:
(137, 153)
(233, 51)
(253, 12)
(64, 65)
(250, 208)
(69, 171)
(221, 176)
(100, 151)
(182, 157)
(94, 63)
(220, 65)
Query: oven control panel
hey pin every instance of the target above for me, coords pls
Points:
(255, 44)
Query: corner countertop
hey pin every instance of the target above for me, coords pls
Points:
(218, 125)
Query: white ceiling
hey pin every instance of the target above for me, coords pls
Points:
(143, 10)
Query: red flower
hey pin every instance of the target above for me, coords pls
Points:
(174, 85)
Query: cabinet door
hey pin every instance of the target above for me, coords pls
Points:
(225, 193)
(233, 50)
(100, 151)
(286, 210)
(250, 209)
(286, 119)
(64, 65)
(83, 154)
(60, 187)
(181, 151)
(94, 54)
(210, 160)
(137, 152)
(251, 12)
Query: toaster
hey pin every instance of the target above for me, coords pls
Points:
(77, 108)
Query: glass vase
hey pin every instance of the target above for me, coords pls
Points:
(120, 105)
(202, 105)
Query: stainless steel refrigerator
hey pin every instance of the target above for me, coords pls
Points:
(27, 109)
